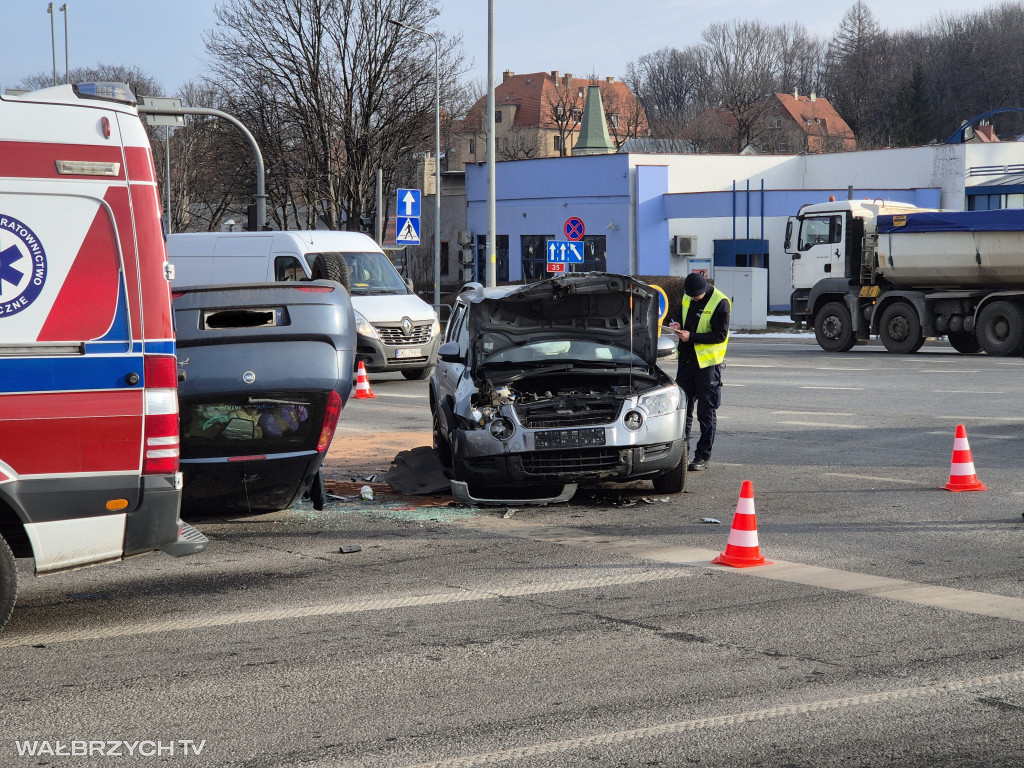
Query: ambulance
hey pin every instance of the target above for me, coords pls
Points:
(88, 378)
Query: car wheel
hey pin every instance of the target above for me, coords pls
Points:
(332, 266)
(963, 342)
(673, 481)
(900, 329)
(1000, 328)
(833, 328)
(417, 374)
(441, 445)
(8, 582)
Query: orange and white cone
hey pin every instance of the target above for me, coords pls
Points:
(362, 384)
(742, 550)
(962, 476)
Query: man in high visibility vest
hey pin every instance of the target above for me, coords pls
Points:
(703, 338)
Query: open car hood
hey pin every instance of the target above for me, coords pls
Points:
(606, 308)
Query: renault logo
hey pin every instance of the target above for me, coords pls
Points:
(406, 326)
(248, 377)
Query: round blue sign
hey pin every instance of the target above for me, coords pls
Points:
(22, 266)
(574, 228)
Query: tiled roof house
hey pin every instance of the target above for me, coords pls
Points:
(539, 115)
(788, 124)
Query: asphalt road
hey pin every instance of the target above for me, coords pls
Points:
(886, 633)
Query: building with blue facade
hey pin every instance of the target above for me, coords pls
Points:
(647, 214)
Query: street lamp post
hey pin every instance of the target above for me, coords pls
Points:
(67, 57)
(437, 159)
(53, 40)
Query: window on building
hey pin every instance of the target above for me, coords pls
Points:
(595, 252)
(559, 112)
(534, 256)
(497, 115)
(613, 119)
(472, 147)
(577, 114)
(501, 268)
(558, 144)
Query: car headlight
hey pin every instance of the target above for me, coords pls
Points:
(363, 327)
(501, 428)
(435, 328)
(660, 401)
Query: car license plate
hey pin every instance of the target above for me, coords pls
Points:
(409, 352)
(569, 438)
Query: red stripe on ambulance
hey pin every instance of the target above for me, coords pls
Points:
(83, 307)
(37, 160)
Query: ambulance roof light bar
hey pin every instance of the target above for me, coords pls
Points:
(119, 92)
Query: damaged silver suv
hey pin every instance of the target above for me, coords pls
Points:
(544, 386)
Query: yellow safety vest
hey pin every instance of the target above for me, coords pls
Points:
(708, 354)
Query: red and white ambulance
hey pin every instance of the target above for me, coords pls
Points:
(88, 380)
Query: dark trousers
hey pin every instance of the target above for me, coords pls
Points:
(703, 390)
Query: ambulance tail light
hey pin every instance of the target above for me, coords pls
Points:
(161, 451)
(330, 422)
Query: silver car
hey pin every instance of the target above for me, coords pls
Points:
(541, 387)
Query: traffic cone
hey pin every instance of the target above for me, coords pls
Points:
(363, 391)
(961, 472)
(742, 551)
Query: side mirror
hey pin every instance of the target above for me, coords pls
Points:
(449, 352)
(789, 236)
(667, 344)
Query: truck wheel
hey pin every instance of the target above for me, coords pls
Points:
(900, 329)
(1001, 328)
(418, 374)
(8, 582)
(332, 266)
(963, 342)
(833, 328)
(673, 481)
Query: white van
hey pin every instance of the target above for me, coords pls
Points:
(397, 330)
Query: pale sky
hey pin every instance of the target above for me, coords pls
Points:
(164, 37)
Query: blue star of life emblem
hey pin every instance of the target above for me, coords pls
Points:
(23, 266)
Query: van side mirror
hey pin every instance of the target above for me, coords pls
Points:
(787, 245)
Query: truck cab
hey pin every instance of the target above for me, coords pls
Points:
(833, 247)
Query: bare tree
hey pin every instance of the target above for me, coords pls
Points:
(348, 90)
(564, 104)
(742, 62)
(624, 116)
(668, 84)
(520, 143)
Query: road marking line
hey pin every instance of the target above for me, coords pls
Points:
(965, 392)
(946, 598)
(882, 479)
(749, 365)
(685, 726)
(809, 413)
(636, 575)
(819, 424)
(825, 368)
(856, 388)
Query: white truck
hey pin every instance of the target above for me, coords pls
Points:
(907, 273)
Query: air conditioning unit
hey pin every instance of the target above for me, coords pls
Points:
(466, 256)
(684, 245)
(466, 274)
(465, 237)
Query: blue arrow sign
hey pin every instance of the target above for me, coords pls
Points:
(565, 251)
(409, 202)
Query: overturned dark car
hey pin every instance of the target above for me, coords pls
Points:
(266, 370)
(541, 387)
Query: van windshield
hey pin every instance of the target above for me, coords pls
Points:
(370, 273)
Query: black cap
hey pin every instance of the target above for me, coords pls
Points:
(695, 284)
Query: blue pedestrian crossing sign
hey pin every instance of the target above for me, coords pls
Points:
(570, 251)
(408, 230)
